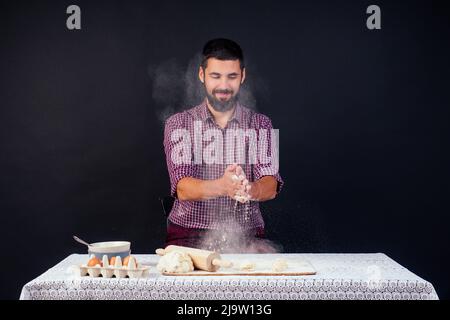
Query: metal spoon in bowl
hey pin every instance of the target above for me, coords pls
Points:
(81, 241)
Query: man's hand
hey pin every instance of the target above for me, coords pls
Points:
(233, 183)
(242, 194)
(229, 181)
(261, 190)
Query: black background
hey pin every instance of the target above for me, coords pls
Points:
(362, 116)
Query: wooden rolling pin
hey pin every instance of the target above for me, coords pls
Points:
(202, 259)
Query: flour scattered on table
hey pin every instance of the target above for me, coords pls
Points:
(279, 265)
(175, 262)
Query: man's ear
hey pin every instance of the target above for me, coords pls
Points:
(243, 76)
(201, 74)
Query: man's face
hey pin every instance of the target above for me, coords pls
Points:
(222, 80)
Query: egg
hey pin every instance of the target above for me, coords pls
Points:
(127, 259)
(94, 261)
(112, 261)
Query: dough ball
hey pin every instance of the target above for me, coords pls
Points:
(279, 265)
(175, 262)
(247, 266)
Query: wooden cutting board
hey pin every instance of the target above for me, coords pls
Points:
(262, 268)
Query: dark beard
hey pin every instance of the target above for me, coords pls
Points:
(221, 106)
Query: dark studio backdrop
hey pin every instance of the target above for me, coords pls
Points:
(362, 116)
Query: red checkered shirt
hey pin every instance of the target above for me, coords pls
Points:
(221, 212)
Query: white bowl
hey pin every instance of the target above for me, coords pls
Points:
(110, 248)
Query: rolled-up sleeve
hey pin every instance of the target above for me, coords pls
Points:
(177, 171)
(270, 165)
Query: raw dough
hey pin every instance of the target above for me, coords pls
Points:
(175, 262)
(247, 266)
(279, 265)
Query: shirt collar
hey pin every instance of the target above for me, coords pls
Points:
(205, 113)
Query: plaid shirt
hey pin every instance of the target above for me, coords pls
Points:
(222, 212)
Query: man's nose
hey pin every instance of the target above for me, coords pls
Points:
(224, 83)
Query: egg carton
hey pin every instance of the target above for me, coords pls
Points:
(133, 270)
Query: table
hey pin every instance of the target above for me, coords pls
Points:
(339, 277)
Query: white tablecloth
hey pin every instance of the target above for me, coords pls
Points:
(339, 276)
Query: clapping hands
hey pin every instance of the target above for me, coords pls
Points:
(240, 186)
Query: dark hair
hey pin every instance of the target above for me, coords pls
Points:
(222, 49)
